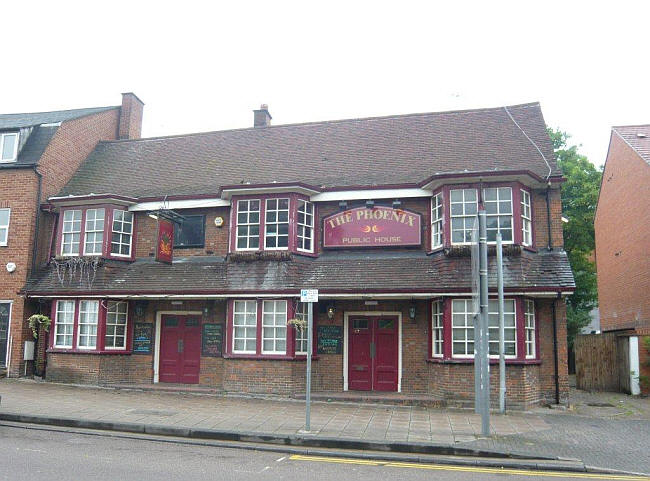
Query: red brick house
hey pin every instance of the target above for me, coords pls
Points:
(39, 152)
(375, 213)
(622, 225)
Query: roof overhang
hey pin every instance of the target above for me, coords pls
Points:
(227, 191)
(526, 177)
(92, 199)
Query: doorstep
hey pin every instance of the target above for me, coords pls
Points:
(165, 387)
(394, 398)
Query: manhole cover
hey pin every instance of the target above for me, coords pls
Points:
(152, 412)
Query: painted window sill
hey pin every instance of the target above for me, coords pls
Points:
(438, 360)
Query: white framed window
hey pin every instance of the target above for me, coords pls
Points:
(436, 328)
(8, 146)
(510, 327)
(94, 235)
(71, 232)
(529, 317)
(248, 225)
(4, 226)
(244, 324)
(498, 209)
(462, 328)
(464, 207)
(436, 220)
(64, 324)
(526, 219)
(305, 222)
(116, 322)
(122, 233)
(274, 327)
(276, 224)
(87, 325)
(301, 335)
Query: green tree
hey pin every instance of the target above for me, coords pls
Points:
(579, 199)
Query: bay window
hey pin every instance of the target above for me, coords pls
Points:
(463, 208)
(274, 327)
(305, 222)
(529, 316)
(276, 231)
(4, 226)
(509, 327)
(248, 225)
(437, 328)
(71, 233)
(90, 326)
(462, 330)
(301, 334)
(526, 219)
(498, 209)
(244, 327)
(437, 209)
(94, 239)
(122, 233)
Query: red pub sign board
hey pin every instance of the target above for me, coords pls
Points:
(375, 227)
(165, 244)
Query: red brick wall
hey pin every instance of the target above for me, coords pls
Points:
(622, 226)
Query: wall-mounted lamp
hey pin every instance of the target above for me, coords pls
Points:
(206, 310)
(331, 310)
(343, 205)
(412, 311)
(370, 204)
(153, 215)
(397, 204)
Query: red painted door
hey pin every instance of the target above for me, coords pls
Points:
(180, 349)
(373, 354)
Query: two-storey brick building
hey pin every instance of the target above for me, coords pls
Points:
(39, 152)
(376, 213)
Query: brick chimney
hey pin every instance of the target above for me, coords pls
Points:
(262, 116)
(130, 116)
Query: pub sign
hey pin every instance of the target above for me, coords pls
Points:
(165, 243)
(379, 226)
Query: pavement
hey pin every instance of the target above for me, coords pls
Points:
(608, 431)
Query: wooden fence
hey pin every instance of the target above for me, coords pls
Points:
(602, 362)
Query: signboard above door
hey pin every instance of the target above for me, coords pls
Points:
(379, 226)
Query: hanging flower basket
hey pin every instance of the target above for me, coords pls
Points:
(37, 321)
(298, 324)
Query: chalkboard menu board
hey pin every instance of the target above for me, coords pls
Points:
(330, 340)
(142, 336)
(212, 340)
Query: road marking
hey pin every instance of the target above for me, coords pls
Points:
(470, 469)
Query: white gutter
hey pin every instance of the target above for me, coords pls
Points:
(370, 194)
(179, 204)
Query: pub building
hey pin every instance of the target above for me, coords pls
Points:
(180, 259)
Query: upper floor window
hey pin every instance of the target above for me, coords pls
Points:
(71, 232)
(191, 232)
(4, 226)
(526, 219)
(305, 226)
(276, 232)
(498, 209)
(248, 224)
(94, 241)
(463, 207)
(8, 146)
(437, 209)
(122, 233)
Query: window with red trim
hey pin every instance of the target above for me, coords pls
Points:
(105, 231)
(90, 325)
(274, 222)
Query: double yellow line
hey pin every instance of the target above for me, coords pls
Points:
(469, 469)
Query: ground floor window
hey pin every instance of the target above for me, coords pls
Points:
(5, 318)
(301, 334)
(452, 328)
(90, 325)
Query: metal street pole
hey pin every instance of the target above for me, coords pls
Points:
(310, 347)
(502, 354)
(484, 340)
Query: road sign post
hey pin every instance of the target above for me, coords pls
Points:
(309, 296)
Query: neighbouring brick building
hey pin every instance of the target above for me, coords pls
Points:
(374, 213)
(39, 152)
(622, 225)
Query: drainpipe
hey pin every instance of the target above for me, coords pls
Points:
(36, 224)
(555, 350)
(548, 217)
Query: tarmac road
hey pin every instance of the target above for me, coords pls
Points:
(41, 454)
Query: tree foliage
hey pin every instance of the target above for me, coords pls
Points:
(579, 199)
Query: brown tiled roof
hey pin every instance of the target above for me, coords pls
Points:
(405, 149)
(331, 272)
(637, 137)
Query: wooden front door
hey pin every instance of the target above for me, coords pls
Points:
(373, 353)
(180, 349)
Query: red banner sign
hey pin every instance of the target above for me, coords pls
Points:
(379, 226)
(165, 244)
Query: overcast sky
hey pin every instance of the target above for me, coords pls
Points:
(201, 66)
